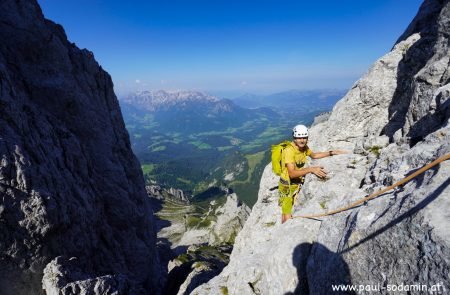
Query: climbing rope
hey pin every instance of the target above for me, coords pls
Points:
(365, 199)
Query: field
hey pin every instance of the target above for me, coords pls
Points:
(231, 155)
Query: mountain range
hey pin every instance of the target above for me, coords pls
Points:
(292, 99)
(164, 100)
(188, 111)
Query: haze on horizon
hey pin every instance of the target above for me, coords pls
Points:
(229, 48)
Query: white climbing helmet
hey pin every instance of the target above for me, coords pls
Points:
(300, 131)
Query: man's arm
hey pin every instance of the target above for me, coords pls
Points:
(320, 155)
(317, 170)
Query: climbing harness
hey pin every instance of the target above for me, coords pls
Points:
(365, 199)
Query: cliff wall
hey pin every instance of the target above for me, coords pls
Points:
(70, 186)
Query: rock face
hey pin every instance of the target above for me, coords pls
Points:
(194, 240)
(156, 191)
(231, 218)
(63, 276)
(197, 266)
(218, 225)
(70, 186)
(395, 120)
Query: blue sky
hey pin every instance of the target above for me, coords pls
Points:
(233, 47)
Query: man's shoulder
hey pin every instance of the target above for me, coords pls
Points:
(288, 154)
(290, 148)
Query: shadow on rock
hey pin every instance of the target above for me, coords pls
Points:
(409, 78)
(318, 269)
(163, 245)
(430, 198)
(176, 278)
(197, 266)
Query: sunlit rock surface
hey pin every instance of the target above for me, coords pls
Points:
(394, 120)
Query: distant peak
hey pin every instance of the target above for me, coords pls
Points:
(163, 99)
(176, 94)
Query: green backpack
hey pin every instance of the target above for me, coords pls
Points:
(277, 156)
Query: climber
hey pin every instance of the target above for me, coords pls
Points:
(293, 171)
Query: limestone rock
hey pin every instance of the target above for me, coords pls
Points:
(208, 246)
(395, 119)
(198, 265)
(156, 191)
(263, 250)
(231, 218)
(219, 225)
(62, 276)
(201, 273)
(69, 183)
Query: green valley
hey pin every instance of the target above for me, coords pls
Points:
(205, 143)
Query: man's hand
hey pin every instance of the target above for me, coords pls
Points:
(340, 152)
(318, 171)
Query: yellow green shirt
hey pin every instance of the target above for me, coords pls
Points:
(291, 154)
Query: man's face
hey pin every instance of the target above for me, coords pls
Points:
(301, 141)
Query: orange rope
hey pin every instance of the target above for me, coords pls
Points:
(365, 199)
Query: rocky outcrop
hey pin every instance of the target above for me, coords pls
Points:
(70, 186)
(195, 241)
(156, 191)
(197, 266)
(201, 273)
(177, 193)
(62, 276)
(395, 120)
(216, 225)
(230, 219)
